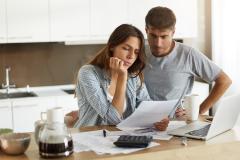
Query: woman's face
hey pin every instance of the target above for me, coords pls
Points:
(127, 51)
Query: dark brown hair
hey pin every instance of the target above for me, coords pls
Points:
(160, 18)
(118, 36)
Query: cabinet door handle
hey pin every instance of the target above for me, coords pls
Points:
(3, 107)
(24, 106)
(25, 37)
(70, 36)
(12, 37)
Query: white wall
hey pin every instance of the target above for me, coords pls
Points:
(203, 40)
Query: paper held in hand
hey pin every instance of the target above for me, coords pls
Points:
(147, 113)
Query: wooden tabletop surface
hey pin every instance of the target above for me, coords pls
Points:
(172, 149)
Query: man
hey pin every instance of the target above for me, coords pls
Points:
(173, 66)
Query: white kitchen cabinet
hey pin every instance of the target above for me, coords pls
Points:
(138, 10)
(3, 24)
(27, 110)
(27, 21)
(185, 11)
(6, 114)
(67, 102)
(106, 15)
(85, 21)
(69, 20)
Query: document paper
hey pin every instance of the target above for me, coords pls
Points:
(156, 134)
(94, 141)
(147, 113)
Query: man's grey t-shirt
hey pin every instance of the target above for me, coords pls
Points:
(169, 76)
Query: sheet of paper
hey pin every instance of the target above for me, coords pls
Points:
(116, 133)
(147, 113)
(175, 124)
(160, 135)
(95, 141)
(172, 125)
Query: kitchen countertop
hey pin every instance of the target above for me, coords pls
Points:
(57, 90)
(43, 91)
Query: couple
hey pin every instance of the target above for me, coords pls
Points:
(112, 85)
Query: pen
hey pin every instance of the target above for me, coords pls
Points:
(104, 133)
(184, 141)
(171, 115)
(144, 130)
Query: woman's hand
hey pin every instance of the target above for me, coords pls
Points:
(117, 67)
(162, 125)
(118, 83)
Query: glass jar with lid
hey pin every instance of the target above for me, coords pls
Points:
(55, 139)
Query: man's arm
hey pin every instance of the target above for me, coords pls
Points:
(221, 85)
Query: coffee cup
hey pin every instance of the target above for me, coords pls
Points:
(192, 103)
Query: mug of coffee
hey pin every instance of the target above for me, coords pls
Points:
(192, 103)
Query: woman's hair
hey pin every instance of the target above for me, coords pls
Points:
(119, 36)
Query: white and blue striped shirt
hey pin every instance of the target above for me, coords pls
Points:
(94, 106)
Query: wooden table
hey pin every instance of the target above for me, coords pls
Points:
(220, 147)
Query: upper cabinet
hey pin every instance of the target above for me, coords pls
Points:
(27, 21)
(106, 15)
(3, 24)
(69, 20)
(185, 11)
(138, 11)
(186, 14)
(85, 21)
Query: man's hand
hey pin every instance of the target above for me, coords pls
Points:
(180, 112)
(162, 125)
(222, 83)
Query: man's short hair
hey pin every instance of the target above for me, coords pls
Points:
(160, 18)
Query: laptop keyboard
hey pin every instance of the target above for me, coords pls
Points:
(200, 132)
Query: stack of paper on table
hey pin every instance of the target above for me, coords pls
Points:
(147, 113)
(94, 141)
(156, 134)
(145, 116)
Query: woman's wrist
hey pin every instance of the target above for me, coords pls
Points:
(123, 76)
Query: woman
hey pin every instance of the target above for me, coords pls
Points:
(111, 86)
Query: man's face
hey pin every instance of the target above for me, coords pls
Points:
(160, 41)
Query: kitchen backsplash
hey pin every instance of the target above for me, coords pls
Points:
(41, 64)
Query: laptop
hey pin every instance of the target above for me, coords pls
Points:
(224, 120)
